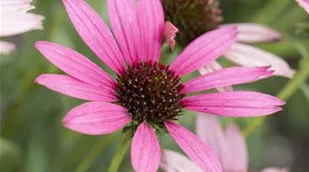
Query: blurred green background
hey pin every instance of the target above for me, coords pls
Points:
(34, 140)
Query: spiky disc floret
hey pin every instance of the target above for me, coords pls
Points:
(150, 92)
(192, 17)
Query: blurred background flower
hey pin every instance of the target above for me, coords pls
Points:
(31, 116)
(194, 18)
(15, 19)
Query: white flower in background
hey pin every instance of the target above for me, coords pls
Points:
(15, 19)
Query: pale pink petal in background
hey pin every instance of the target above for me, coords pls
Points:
(176, 162)
(123, 18)
(15, 20)
(170, 33)
(145, 150)
(95, 33)
(16, 5)
(204, 50)
(246, 55)
(194, 147)
(6, 47)
(208, 129)
(75, 88)
(253, 33)
(234, 104)
(13, 23)
(304, 4)
(236, 144)
(212, 67)
(151, 25)
(226, 77)
(275, 169)
(97, 118)
(75, 64)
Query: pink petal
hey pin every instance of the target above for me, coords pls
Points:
(75, 64)
(13, 23)
(145, 150)
(208, 129)
(16, 5)
(194, 147)
(275, 169)
(253, 33)
(246, 55)
(203, 50)
(176, 162)
(235, 104)
(304, 4)
(170, 33)
(123, 17)
(75, 88)
(237, 148)
(95, 33)
(212, 67)
(226, 77)
(151, 24)
(96, 118)
(6, 47)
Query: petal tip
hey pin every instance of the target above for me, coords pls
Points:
(39, 44)
(38, 79)
(170, 33)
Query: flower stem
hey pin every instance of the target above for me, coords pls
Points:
(299, 78)
(94, 152)
(122, 149)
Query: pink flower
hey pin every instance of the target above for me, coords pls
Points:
(16, 20)
(147, 95)
(304, 4)
(224, 144)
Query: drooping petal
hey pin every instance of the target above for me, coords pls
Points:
(212, 67)
(145, 150)
(16, 5)
(208, 129)
(194, 147)
(176, 162)
(246, 55)
(13, 23)
(275, 169)
(204, 50)
(253, 33)
(304, 4)
(170, 33)
(151, 25)
(235, 104)
(75, 64)
(75, 88)
(226, 77)
(95, 33)
(123, 17)
(6, 47)
(236, 146)
(96, 118)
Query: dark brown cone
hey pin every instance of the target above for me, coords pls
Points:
(150, 92)
(192, 17)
